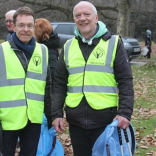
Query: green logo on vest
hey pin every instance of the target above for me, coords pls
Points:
(36, 60)
(98, 53)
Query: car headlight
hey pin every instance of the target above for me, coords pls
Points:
(126, 44)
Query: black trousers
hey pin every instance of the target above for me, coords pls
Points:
(149, 53)
(83, 140)
(29, 138)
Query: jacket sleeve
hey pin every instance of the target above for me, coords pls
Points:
(48, 98)
(123, 76)
(53, 59)
(59, 88)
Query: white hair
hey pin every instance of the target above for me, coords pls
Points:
(10, 12)
(93, 7)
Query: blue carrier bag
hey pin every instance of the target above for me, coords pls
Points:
(48, 144)
(115, 141)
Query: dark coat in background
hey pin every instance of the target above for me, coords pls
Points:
(53, 45)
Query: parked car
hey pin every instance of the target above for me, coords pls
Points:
(65, 31)
(132, 47)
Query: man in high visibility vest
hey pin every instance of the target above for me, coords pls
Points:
(94, 79)
(25, 86)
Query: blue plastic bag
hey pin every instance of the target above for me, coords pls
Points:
(108, 142)
(48, 144)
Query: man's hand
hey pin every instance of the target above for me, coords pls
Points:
(58, 125)
(123, 122)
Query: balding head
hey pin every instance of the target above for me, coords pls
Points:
(11, 12)
(85, 2)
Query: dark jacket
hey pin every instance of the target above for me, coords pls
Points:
(53, 44)
(8, 37)
(148, 41)
(47, 99)
(83, 115)
(148, 44)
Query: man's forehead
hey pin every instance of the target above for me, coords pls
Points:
(23, 17)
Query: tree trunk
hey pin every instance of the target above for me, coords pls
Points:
(123, 18)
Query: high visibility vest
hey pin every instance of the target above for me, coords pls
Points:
(93, 79)
(22, 94)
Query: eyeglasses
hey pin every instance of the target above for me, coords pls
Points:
(10, 21)
(22, 26)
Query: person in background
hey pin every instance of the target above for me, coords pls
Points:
(148, 43)
(93, 78)
(44, 34)
(25, 86)
(9, 23)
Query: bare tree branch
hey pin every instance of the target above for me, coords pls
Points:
(4, 1)
(136, 18)
(107, 8)
(107, 17)
(48, 7)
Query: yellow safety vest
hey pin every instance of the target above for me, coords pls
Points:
(93, 79)
(22, 94)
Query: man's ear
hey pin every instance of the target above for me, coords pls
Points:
(97, 18)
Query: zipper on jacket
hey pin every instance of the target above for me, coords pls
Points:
(24, 82)
(25, 73)
(25, 57)
(86, 121)
(22, 54)
(86, 116)
(86, 107)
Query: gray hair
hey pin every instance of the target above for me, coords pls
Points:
(10, 12)
(93, 7)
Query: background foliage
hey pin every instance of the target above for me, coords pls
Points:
(124, 17)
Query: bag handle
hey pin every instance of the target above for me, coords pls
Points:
(127, 141)
(126, 138)
(120, 140)
(53, 146)
(0, 138)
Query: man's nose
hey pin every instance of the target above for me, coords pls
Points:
(82, 17)
(25, 27)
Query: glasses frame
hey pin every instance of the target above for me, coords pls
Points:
(8, 21)
(22, 26)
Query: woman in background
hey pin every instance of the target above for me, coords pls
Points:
(44, 34)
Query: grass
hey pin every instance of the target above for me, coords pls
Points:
(144, 116)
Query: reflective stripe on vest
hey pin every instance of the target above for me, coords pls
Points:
(20, 90)
(100, 94)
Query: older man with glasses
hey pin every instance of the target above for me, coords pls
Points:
(9, 23)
